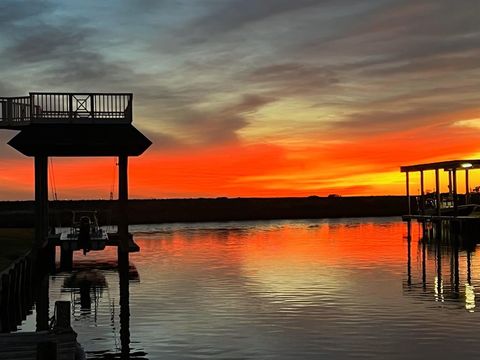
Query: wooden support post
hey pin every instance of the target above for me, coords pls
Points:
(92, 107)
(28, 281)
(407, 180)
(9, 111)
(42, 302)
(454, 191)
(62, 315)
(13, 301)
(422, 193)
(47, 350)
(66, 259)
(467, 188)
(437, 189)
(123, 202)
(5, 313)
(70, 107)
(450, 188)
(51, 258)
(41, 201)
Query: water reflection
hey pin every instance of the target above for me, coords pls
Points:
(450, 259)
(87, 286)
(334, 289)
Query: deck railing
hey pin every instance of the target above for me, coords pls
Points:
(14, 111)
(60, 108)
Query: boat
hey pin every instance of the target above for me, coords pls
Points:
(85, 233)
(447, 208)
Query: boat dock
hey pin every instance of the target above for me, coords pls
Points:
(53, 124)
(454, 209)
(57, 343)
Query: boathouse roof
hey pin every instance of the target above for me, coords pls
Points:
(444, 165)
(72, 124)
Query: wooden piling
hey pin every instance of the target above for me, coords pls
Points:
(12, 303)
(47, 350)
(66, 259)
(62, 315)
(4, 309)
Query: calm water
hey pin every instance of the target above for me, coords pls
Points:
(330, 289)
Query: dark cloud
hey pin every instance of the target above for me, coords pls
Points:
(221, 126)
(13, 12)
(49, 43)
(234, 14)
(406, 37)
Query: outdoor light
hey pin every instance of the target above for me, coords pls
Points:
(466, 165)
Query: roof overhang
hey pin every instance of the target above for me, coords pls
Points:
(80, 140)
(444, 165)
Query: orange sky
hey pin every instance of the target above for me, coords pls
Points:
(362, 167)
(268, 98)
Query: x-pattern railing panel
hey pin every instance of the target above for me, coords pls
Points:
(66, 108)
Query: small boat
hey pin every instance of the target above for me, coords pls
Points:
(85, 233)
(447, 208)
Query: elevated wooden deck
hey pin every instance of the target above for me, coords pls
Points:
(65, 108)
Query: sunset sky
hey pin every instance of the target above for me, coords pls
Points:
(253, 97)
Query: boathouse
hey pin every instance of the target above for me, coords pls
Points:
(457, 208)
(57, 124)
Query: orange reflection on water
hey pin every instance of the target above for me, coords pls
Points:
(284, 259)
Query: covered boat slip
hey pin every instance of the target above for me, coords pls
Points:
(437, 206)
(85, 233)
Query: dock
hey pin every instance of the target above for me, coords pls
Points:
(57, 343)
(453, 210)
(66, 124)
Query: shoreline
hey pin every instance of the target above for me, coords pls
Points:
(157, 211)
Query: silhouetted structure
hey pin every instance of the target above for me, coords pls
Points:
(456, 210)
(73, 124)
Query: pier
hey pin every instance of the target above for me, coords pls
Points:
(453, 210)
(53, 124)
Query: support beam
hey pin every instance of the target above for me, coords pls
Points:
(42, 301)
(437, 190)
(41, 201)
(123, 202)
(450, 188)
(454, 192)
(66, 259)
(407, 180)
(467, 188)
(422, 193)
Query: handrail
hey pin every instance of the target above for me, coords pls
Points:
(77, 93)
(66, 107)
